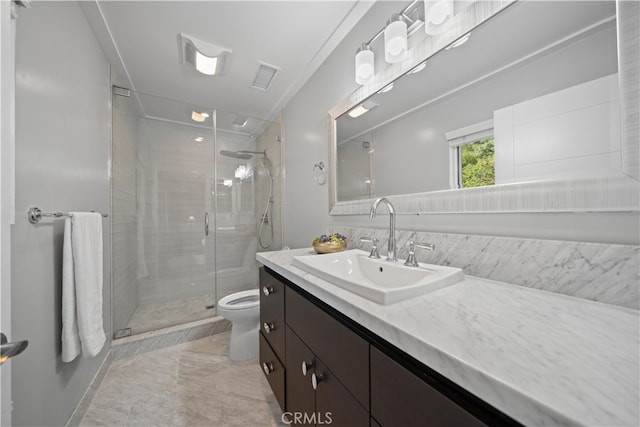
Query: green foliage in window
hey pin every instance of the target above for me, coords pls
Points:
(478, 164)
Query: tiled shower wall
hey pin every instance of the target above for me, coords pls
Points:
(270, 140)
(123, 212)
(174, 184)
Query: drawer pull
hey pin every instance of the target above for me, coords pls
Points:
(305, 367)
(267, 367)
(268, 327)
(267, 290)
(315, 379)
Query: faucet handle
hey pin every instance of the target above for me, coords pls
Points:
(374, 246)
(411, 259)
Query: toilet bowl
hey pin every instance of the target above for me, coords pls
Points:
(242, 309)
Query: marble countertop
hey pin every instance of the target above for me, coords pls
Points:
(544, 359)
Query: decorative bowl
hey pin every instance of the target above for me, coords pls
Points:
(329, 247)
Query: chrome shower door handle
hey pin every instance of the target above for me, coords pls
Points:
(206, 223)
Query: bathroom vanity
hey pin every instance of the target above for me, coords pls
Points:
(477, 352)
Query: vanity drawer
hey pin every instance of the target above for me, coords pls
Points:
(273, 370)
(399, 398)
(344, 352)
(272, 312)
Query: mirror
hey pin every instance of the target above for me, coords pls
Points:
(536, 84)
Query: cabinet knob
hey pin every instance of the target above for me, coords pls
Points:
(267, 290)
(315, 379)
(305, 367)
(268, 327)
(267, 367)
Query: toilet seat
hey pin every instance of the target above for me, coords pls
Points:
(240, 300)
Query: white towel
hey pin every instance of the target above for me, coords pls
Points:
(82, 286)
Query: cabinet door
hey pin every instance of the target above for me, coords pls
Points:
(300, 398)
(335, 406)
(399, 398)
(344, 352)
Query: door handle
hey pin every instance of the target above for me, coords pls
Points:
(10, 349)
(206, 223)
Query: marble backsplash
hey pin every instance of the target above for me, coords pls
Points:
(600, 272)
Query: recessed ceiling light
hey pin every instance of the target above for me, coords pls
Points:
(199, 117)
(198, 139)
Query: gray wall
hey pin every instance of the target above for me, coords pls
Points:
(306, 203)
(62, 149)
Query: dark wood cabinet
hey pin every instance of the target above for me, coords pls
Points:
(335, 405)
(346, 353)
(301, 398)
(273, 370)
(272, 313)
(399, 398)
(327, 369)
(315, 395)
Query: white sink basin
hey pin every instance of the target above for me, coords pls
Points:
(377, 279)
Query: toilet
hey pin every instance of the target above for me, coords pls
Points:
(242, 309)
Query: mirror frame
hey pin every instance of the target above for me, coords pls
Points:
(607, 194)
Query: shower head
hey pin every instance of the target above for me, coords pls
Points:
(236, 154)
(242, 154)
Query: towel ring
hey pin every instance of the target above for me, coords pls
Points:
(320, 173)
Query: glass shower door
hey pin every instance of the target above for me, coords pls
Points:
(248, 198)
(162, 197)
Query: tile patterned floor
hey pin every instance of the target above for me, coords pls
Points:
(191, 384)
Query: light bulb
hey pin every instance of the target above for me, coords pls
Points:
(436, 15)
(364, 65)
(395, 40)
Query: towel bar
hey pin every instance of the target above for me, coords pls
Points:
(35, 215)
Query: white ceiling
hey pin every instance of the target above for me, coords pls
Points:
(141, 41)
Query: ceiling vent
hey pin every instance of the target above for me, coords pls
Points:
(264, 76)
(239, 120)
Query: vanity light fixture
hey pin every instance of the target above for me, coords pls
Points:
(395, 39)
(364, 64)
(437, 14)
(361, 109)
(396, 44)
(207, 58)
(199, 117)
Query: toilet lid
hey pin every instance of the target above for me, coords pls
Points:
(241, 300)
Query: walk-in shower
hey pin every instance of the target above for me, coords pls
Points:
(190, 204)
(264, 217)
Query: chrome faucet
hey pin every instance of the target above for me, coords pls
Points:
(391, 251)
